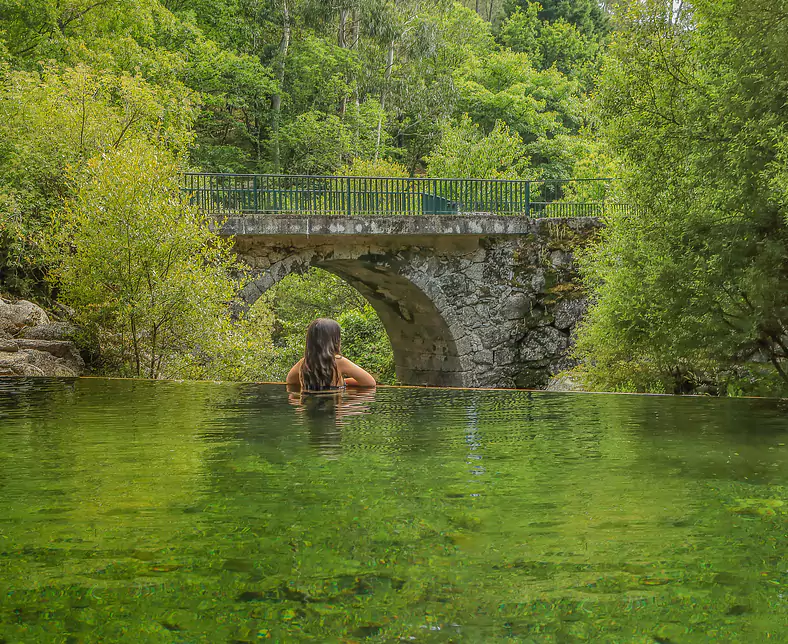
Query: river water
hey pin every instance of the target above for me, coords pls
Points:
(203, 512)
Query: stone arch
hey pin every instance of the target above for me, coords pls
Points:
(425, 351)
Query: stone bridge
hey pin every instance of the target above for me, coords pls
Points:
(467, 300)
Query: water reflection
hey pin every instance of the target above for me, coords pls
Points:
(324, 414)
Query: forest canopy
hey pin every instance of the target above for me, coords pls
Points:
(128, 93)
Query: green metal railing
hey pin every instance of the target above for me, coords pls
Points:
(226, 194)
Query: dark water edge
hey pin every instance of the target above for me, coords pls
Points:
(214, 512)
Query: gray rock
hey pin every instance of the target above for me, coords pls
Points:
(561, 259)
(65, 352)
(17, 315)
(568, 313)
(8, 346)
(18, 364)
(53, 366)
(52, 331)
(517, 307)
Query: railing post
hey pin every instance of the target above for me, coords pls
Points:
(527, 198)
(347, 206)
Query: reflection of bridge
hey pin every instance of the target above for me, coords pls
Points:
(252, 193)
(470, 295)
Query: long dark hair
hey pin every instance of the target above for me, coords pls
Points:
(323, 343)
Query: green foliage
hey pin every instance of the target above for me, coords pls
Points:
(55, 120)
(147, 277)
(315, 143)
(542, 107)
(586, 15)
(692, 281)
(373, 168)
(465, 151)
(364, 341)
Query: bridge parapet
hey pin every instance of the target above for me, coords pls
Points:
(242, 194)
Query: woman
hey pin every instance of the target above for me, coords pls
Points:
(323, 368)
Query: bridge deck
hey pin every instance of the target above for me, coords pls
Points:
(475, 224)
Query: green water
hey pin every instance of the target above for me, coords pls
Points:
(198, 512)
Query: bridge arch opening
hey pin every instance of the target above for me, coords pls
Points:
(424, 350)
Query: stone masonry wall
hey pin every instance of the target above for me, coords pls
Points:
(461, 308)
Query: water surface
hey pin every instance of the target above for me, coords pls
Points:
(198, 512)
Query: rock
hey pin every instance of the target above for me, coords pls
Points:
(18, 364)
(64, 351)
(561, 259)
(568, 313)
(564, 382)
(543, 343)
(52, 331)
(517, 307)
(16, 316)
(8, 346)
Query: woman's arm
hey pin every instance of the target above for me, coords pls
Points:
(354, 375)
(294, 375)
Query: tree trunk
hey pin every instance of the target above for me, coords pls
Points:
(342, 42)
(355, 31)
(276, 99)
(383, 93)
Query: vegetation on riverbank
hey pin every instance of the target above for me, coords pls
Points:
(692, 287)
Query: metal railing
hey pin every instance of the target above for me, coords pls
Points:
(229, 194)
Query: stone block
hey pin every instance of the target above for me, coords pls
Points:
(568, 313)
(516, 307)
(543, 343)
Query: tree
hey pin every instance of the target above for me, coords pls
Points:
(587, 15)
(55, 120)
(558, 43)
(692, 279)
(543, 107)
(465, 151)
(143, 270)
